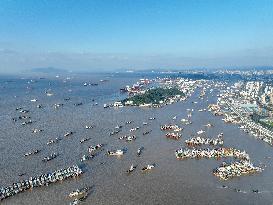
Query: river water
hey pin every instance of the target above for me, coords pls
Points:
(170, 182)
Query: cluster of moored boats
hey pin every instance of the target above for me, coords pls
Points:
(175, 128)
(42, 180)
(198, 141)
(216, 153)
(230, 170)
(172, 135)
(215, 109)
(226, 170)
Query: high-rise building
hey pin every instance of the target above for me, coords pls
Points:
(271, 98)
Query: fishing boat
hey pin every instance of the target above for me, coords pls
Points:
(105, 106)
(49, 94)
(134, 129)
(118, 152)
(79, 193)
(84, 140)
(50, 157)
(128, 138)
(139, 151)
(91, 149)
(200, 132)
(53, 141)
(32, 153)
(118, 127)
(86, 157)
(147, 132)
(68, 134)
(26, 122)
(88, 127)
(148, 167)
(58, 105)
(36, 130)
(209, 125)
(131, 169)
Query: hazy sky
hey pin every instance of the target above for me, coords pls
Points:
(134, 34)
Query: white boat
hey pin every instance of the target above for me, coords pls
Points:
(132, 168)
(148, 167)
(200, 132)
(118, 152)
(34, 100)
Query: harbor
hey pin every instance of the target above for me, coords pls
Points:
(134, 136)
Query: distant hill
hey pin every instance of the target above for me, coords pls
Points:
(48, 70)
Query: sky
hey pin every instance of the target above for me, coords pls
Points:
(98, 35)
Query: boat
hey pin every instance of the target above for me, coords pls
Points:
(118, 152)
(94, 148)
(128, 138)
(51, 141)
(86, 157)
(118, 127)
(36, 130)
(84, 140)
(49, 94)
(105, 106)
(200, 132)
(88, 127)
(32, 153)
(139, 151)
(148, 167)
(50, 157)
(34, 100)
(147, 132)
(131, 169)
(209, 125)
(68, 134)
(134, 129)
(26, 122)
(58, 105)
(78, 192)
(39, 106)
